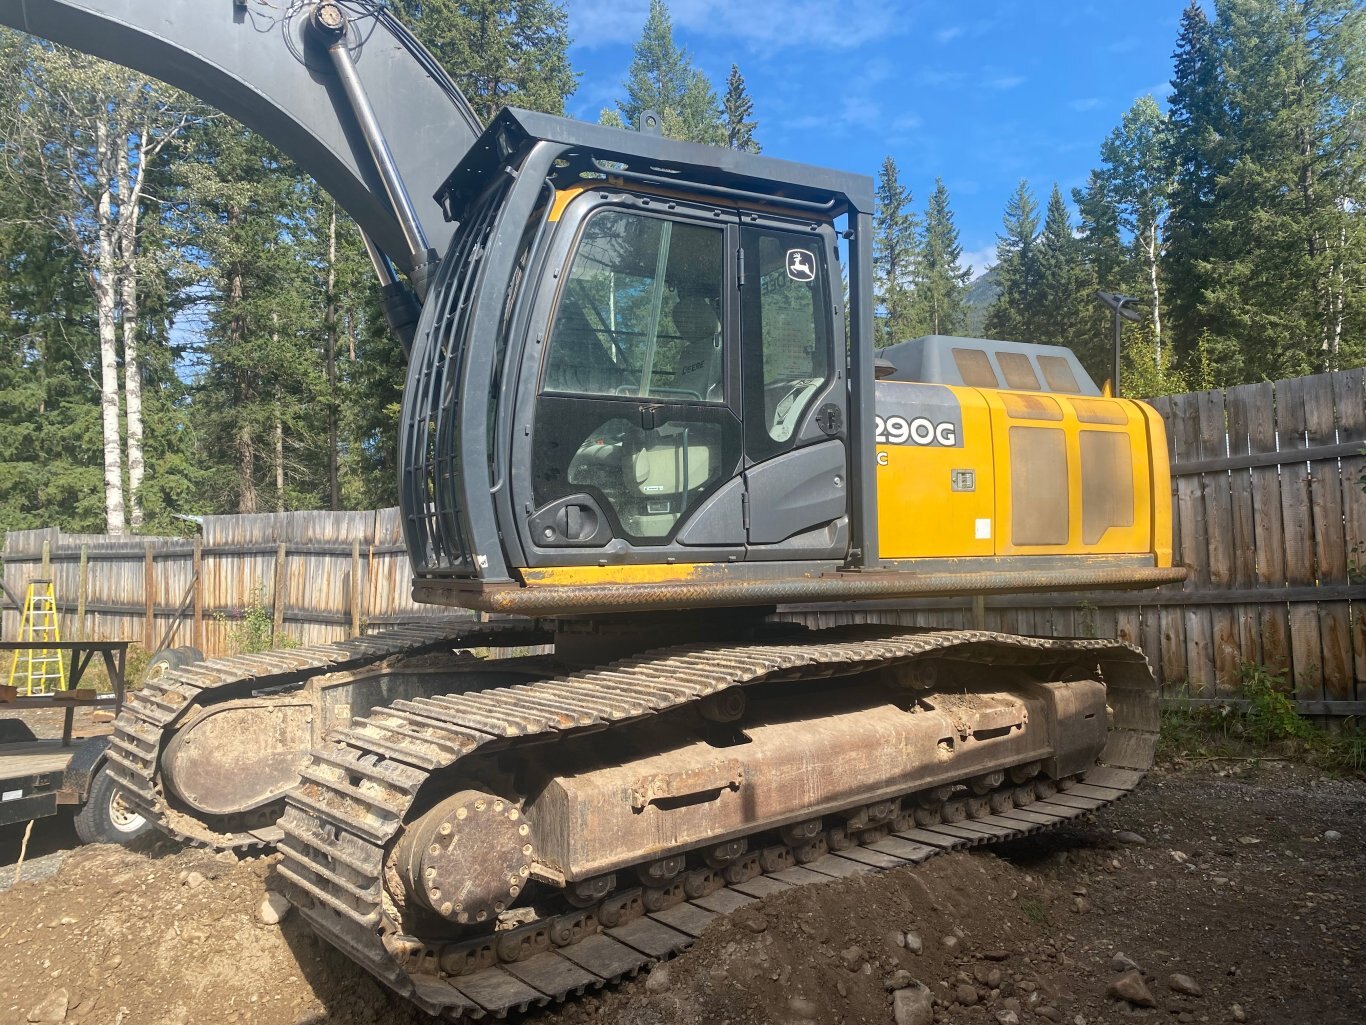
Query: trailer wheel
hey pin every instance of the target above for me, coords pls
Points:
(106, 817)
(168, 660)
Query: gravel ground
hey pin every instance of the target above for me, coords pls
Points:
(1242, 902)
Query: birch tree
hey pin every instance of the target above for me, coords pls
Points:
(88, 133)
(1139, 181)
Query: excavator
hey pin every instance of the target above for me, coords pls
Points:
(639, 416)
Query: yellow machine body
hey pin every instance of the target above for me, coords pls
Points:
(1032, 474)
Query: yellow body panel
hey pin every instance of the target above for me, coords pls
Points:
(1050, 475)
(919, 513)
(582, 576)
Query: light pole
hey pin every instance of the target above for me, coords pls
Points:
(1119, 306)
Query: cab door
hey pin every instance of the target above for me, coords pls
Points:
(636, 421)
(795, 400)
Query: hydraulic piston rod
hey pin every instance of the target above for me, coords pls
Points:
(330, 21)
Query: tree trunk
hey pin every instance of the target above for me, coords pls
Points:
(279, 454)
(330, 317)
(132, 367)
(246, 466)
(246, 442)
(278, 409)
(106, 280)
(1152, 247)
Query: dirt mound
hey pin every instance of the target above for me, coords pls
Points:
(1248, 887)
(169, 937)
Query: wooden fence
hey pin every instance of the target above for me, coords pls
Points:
(1269, 515)
(318, 576)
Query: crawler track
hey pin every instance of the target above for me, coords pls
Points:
(341, 822)
(153, 711)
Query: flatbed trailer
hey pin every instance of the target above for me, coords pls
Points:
(40, 776)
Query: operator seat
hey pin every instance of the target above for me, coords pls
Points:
(700, 362)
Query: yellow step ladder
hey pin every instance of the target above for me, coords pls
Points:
(38, 670)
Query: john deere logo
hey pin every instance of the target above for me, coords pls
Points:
(800, 265)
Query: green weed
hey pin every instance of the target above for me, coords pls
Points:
(1260, 722)
(1271, 716)
(255, 631)
(1035, 912)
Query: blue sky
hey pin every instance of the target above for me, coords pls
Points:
(982, 93)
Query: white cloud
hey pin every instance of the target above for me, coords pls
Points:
(1005, 82)
(934, 78)
(980, 260)
(1086, 103)
(1159, 92)
(947, 35)
(769, 25)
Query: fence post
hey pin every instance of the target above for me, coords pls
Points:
(149, 598)
(279, 619)
(47, 562)
(355, 587)
(197, 569)
(82, 594)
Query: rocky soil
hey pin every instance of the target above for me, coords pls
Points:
(1210, 896)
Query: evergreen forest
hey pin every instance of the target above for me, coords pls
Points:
(189, 325)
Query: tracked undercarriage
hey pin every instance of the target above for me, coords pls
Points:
(500, 848)
(502, 833)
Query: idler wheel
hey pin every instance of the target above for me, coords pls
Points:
(468, 858)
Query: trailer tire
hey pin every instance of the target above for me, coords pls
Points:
(106, 817)
(189, 654)
(168, 660)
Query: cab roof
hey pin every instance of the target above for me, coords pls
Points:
(591, 152)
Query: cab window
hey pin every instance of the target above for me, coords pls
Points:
(640, 314)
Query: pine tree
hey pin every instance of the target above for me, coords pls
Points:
(1285, 267)
(895, 229)
(500, 52)
(259, 400)
(1108, 265)
(50, 432)
(662, 78)
(739, 114)
(1013, 315)
(1099, 234)
(940, 279)
(1064, 302)
(1195, 155)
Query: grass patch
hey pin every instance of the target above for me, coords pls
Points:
(1262, 721)
(1035, 912)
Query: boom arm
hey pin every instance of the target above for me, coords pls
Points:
(319, 80)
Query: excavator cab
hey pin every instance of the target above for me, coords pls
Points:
(655, 375)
